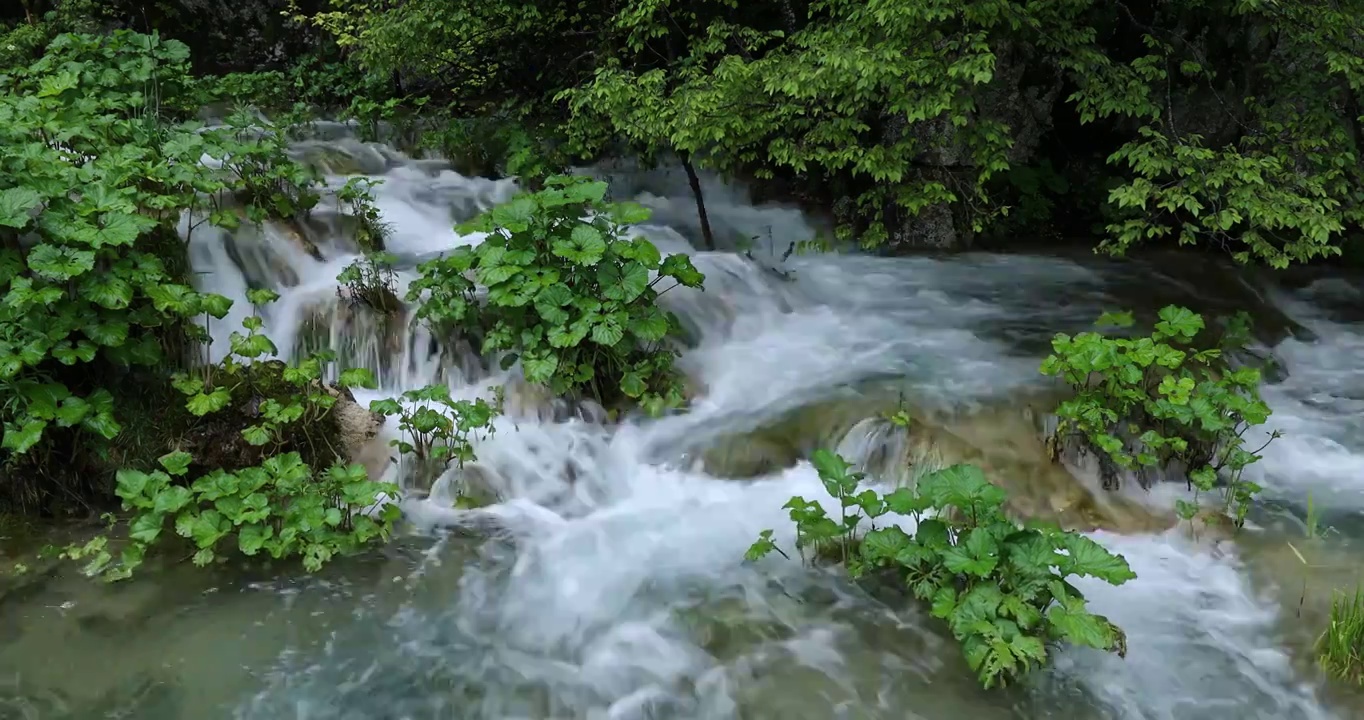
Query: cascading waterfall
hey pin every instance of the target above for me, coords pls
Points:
(608, 582)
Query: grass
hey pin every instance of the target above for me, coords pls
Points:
(1341, 647)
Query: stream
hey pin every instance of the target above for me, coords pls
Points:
(608, 583)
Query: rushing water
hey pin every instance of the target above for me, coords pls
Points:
(609, 581)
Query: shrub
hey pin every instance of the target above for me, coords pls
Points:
(569, 295)
(1145, 402)
(95, 280)
(271, 475)
(1000, 587)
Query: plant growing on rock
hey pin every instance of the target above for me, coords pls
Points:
(568, 294)
(270, 472)
(96, 170)
(1002, 588)
(254, 407)
(369, 280)
(1148, 401)
(435, 428)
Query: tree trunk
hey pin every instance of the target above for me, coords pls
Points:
(706, 235)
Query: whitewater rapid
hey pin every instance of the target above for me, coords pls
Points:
(613, 583)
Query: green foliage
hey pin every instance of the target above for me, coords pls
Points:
(1001, 588)
(281, 508)
(569, 295)
(1147, 401)
(1341, 647)
(1274, 171)
(287, 504)
(1233, 123)
(435, 427)
(370, 280)
(93, 280)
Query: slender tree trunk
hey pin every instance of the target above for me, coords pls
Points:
(692, 179)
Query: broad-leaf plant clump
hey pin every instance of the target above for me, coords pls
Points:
(569, 294)
(1149, 401)
(1000, 586)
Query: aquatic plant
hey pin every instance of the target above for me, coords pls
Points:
(1149, 401)
(1341, 646)
(569, 294)
(1000, 586)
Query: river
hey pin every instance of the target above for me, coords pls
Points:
(609, 582)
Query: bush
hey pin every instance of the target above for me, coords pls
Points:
(270, 473)
(1000, 587)
(95, 282)
(569, 296)
(1145, 402)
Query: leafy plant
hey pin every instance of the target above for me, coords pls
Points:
(435, 427)
(96, 171)
(281, 508)
(370, 279)
(568, 295)
(1145, 402)
(1002, 588)
(286, 400)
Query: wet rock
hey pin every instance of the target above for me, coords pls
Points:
(368, 332)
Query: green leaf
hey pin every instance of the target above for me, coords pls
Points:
(1071, 622)
(131, 485)
(608, 331)
(514, 215)
(1087, 557)
(202, 404)
(978, 556)
(72, 411)
(107, 291)
(933, 533)
(261, 296)
(257, 435)
(216, 305)
(16, 204)
(622, 282)
(633, 385)
(103, 424)
(884, 543)
(584, 246)
(359, 377)
(904, 501)
(680, 268)
(20, 437)
(650, 325)
(60, 263)
(176, 463)
(252, 537)
(539, 368)
(146, 527)
(171, 499)
(1179, 322)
